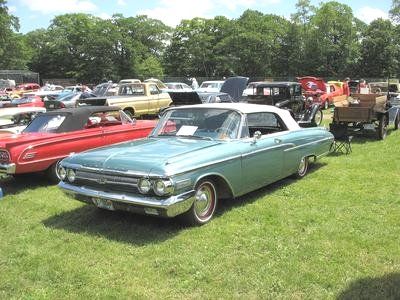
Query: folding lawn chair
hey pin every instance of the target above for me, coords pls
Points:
(342, 142)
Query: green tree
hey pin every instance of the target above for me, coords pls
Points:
(331, 43)
(197, 47)
(12, 51)
(395, 10)
(380, 50)
(150, 67)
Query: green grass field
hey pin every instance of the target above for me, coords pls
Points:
(333, 234)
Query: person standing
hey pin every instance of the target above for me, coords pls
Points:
(195, 84)
(346, 88)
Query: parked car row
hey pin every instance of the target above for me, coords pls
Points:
(186, 162)
(192, 157)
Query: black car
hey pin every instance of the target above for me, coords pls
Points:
(288, 95)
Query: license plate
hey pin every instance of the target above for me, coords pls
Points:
(369, 126)
(51, 105)
(103, 203)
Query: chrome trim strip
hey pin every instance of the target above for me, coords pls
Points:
(7, 168)
(170, 207)
(307, 144)
(266, 149)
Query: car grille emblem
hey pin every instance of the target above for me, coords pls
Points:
(101, 180)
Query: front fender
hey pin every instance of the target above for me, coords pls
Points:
(310, 113)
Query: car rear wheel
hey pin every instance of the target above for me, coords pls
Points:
(302, 168)
(397, 121)
(382, 127)
(204, 204)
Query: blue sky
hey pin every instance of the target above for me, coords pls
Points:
(34, 14)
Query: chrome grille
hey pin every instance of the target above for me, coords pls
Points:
(4, 157)
(106, 181)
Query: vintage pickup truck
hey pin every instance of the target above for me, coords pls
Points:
(135, 99)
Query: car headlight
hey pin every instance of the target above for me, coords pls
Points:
(62, 173)
(71, 175)
(163, 187)
(144, 185)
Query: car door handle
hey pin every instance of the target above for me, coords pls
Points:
(278, 141)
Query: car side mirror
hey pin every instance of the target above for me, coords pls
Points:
(256, 136)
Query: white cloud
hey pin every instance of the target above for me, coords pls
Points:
(12, 9)
(60, 6)
(232, 5)
(104, 16)
(171, 12)
(121, 2)
(368, 14)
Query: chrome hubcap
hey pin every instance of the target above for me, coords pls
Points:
(302, 166)
(204, 201)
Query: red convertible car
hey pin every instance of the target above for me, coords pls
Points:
(54, 135)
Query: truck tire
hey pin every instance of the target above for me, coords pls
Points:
(382, 127)
(397, 121)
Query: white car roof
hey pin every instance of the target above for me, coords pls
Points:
(247, 108)
(214, 81)
(11, 111)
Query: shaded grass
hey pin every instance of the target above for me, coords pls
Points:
(333, 234)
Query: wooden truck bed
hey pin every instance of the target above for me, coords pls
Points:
(363, 111)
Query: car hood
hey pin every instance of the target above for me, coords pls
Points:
(308, 82)
(150, 156)
(234, 86)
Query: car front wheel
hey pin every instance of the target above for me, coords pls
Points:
(317, 120)
(52, 173)
(204, 204)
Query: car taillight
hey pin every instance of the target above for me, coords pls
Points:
(4, 156)
(62, 105)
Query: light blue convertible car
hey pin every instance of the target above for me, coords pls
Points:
(196, 155)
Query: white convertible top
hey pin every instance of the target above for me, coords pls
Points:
(247, 108)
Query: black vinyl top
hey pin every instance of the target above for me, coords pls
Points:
(76, 118)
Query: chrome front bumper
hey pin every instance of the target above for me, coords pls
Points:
(166, 207)
(7, 168)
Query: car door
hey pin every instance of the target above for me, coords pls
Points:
(262, 158)
(154, 98)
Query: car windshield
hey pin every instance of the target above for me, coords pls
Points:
(45, 123)
(67, 98)
(202, 123)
